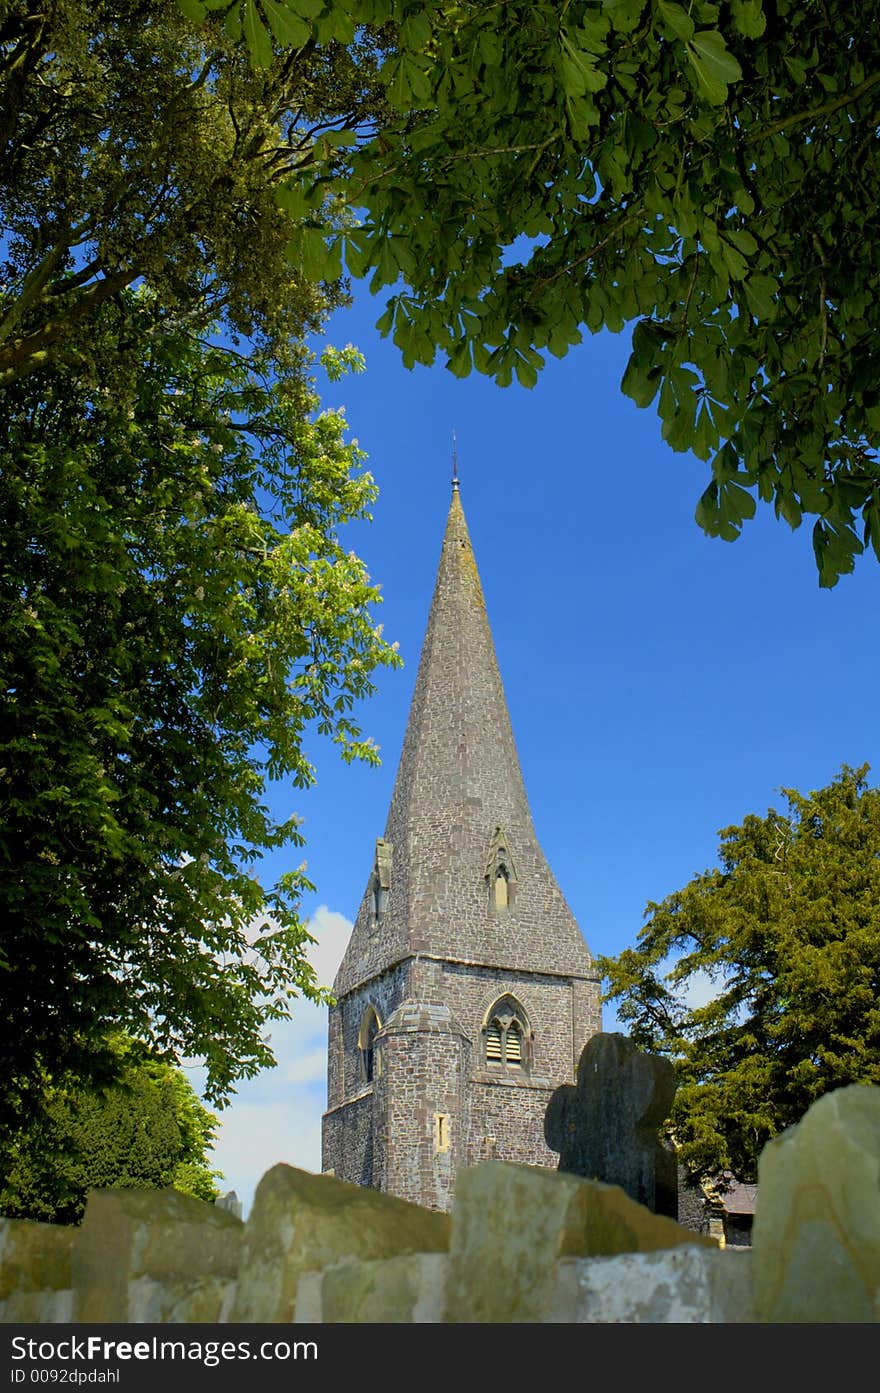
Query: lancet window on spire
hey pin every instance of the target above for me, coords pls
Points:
(500, 873)
(507, 1037)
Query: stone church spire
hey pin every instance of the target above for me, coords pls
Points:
(467, 992)
(459, 874)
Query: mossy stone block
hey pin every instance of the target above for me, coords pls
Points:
(301, 1222)
(816, 1236)
(511, 1223)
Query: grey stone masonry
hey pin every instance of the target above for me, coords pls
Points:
(461, 915)
(458, 785)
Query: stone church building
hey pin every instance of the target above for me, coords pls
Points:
(467, 992)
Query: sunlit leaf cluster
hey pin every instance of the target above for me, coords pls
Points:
(179, 610)
(706, 173)
(178, 613)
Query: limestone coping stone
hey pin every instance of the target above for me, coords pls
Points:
(511, 1223)
(672, 1285)
(301, 1222)
(410, 1289)
(816, 1234)
(35, 1271)
(154, 1255)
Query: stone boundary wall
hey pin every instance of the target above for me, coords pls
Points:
(315, 1249)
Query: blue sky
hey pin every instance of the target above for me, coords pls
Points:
(661, 684)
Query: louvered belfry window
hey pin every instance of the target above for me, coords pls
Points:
(513, 1045)
(506, 1035)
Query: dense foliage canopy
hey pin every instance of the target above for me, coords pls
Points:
(785, 935)
(133, 148)
(177, 607)
(706, 172)
(177, 611)
(147, 1131)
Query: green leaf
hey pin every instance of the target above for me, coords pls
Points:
(706, 512)
(736, 502)
(788, 507)
(232, 22)
(676, 19)
(317, 257)
(748, 18)
(742, 240)
(872, 524)
(624, 14)
(706, 433)
(415, 32)
(714, 66)
(289, 29)
(257, 36)
(641, 380)
(526, 373)
(336, 24)
(192, 9)
(579, 72)
(735, 263)
(797, 69)
(294, 198)
(761, 296)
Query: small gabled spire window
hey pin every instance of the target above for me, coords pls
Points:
(500, 873)
(380, 885)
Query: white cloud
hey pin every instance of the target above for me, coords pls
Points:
(277, 1115)
(699, 990)
(332, 930)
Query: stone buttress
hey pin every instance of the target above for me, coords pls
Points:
(467, 992)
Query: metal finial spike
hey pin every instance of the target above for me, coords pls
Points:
(455, 479)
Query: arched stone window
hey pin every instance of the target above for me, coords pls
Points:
(507, 1037)
(370, 1027)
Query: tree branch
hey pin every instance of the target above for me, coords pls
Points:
(826, 109)
(23, 355)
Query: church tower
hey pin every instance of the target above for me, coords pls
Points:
(467, 992)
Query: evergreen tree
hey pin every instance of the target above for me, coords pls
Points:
(787, 931)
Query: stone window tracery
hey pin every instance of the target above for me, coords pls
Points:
(506, 1036)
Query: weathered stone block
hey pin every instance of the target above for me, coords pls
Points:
(605, 1126)
(302, 1222)
(510, 1224)
(684, 1284)
(154, 1255)
(403, 1290)
(816, 1236)
(35, 1272)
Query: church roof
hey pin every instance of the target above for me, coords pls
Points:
(459, 815)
